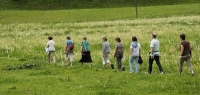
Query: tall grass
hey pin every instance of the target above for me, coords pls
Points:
(27, 41)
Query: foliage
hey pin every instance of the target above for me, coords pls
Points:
(30, 65)
(74, 4)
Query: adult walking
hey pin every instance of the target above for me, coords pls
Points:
(69, 51)
(106, 52)
(185, 54)
(119, 51)
(50, 48)
(134, 54)
(154, 54)
(85, 52)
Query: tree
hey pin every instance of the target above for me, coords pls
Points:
(136, 10)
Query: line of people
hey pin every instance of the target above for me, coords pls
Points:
(135, 48)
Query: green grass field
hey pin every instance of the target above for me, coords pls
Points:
(85, 15)
(24, 34)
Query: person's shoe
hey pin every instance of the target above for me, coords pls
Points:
(161, 73)
(123, 68)
(179, 74)
(147, 73)
(112, 66)
(193, 73)
(131, 72)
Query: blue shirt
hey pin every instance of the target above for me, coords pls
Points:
(69, 42)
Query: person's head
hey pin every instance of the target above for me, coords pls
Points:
(134, 39)
(84, 38)
(105, 39)
(50, 38)
(182, 36)
(68, 37)
(154, 35)
(118, 40)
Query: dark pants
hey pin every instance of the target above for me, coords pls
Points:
(119, 61)
(157, 58)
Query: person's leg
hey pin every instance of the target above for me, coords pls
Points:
(119, 63)
(108, 61)
(136, 64)
(157, 58)
(48, 57)
(111, 65)
(188, 60)
(131, 64)
(182, 59)
(54, 57)
(71, 58)
(104, 62)
(66, 59)
(150, 64)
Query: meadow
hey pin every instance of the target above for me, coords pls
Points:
(24, 67)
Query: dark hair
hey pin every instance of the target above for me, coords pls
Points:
(118, 39)
(182, 36)
(134, 39)
(50, 38)
(154, 35)
(105, 38)
(84, 38)
(68, 37)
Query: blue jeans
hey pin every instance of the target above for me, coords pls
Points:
(135, 58)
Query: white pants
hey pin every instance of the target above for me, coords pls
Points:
(71, 55)
(106, 59)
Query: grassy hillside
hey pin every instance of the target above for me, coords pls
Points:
(13, 16)
(74, 4)
(26, 71)
(23, 63)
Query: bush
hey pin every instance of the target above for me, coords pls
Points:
(30, 65)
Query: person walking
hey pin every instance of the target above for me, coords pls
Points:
(134, 54)
(185, 55)
(119, 51)
(106, 51)
(69, 51)
(154, 54)
(85, 52)
(50, 49)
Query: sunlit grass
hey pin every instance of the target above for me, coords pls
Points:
(27, 41)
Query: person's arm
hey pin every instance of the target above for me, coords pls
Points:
(81, 49)
(47, 45)
(103, 49)
(182, 49)
(152, 50)
(190, 47)
(131, 51)
(115, 52)
(65, 49)
(139, 52)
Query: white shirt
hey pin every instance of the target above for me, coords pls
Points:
(51, 45)
(156, 45)
(136, 51)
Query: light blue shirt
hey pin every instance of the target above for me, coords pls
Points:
(156, 45)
